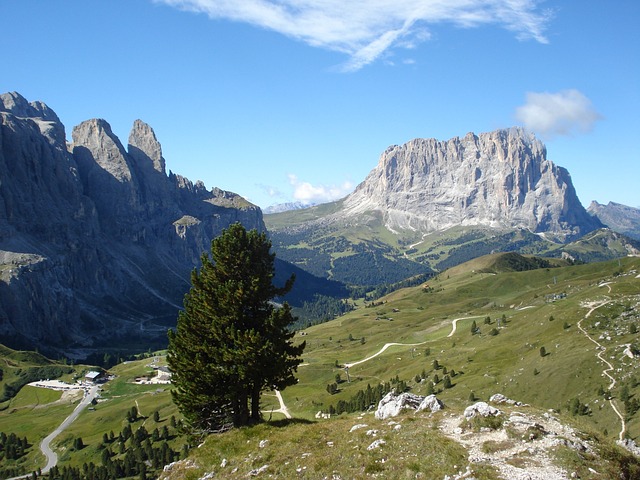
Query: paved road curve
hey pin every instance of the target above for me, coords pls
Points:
(52, 457)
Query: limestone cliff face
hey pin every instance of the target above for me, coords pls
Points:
(499, 179)
(96, 241)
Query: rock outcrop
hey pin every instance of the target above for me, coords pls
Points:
(393, 403)
(500, 179)
(96, 241)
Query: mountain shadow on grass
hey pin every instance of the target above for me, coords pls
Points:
(285, 422)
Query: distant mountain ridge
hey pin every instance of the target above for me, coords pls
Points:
(621, 218)
(285, 207)
(96, 241)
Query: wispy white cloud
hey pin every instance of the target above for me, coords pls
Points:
(366, 29)
(307, 193)
(270, 191)
(561, 113)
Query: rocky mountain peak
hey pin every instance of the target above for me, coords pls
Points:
(96, 243)
(19, 106)
(499, 179)
(37, 112)
(144, 147)
(94, 140)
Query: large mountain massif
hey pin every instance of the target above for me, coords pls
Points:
(498, 179)
(96, 241)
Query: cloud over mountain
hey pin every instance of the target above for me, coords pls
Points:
(307, 193)
(561, 113)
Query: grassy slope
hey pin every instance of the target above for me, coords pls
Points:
(303, 238)
(293, 217)
(331, 450)
(504, 363)
(509, 363)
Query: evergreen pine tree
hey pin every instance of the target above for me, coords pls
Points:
(231, 342)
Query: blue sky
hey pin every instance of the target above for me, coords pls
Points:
(296, 100)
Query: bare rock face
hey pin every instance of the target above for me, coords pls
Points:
(144, 147)
(107, 175)
(500, 179)
(96, 241)
(392, 404)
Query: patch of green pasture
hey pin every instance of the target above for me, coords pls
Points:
(109, 415)
(29, 396)
(35, 423)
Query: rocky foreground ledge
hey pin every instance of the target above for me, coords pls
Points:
(411, 436)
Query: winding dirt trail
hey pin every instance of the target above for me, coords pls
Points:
(285, 411)
(454, 324)
(601, 351)
(386, 345)
(283, 408)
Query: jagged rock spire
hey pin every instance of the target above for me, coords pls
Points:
(144, 147)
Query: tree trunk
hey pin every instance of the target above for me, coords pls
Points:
(241, 413)
(255, 404)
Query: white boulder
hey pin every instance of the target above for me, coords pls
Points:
(392, 404)
(481, 408)
(430, 402)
